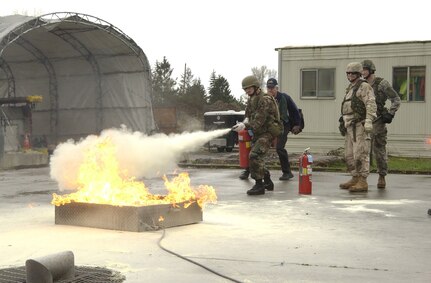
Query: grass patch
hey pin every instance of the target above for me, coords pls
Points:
(408, 164)
(395, 164)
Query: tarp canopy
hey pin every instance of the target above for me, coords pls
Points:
(90, 74)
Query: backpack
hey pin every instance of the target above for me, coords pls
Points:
(302, 123)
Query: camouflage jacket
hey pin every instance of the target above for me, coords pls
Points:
(365, 94)
(384, 91)
(262, 113)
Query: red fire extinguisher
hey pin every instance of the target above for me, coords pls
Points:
(26, 144)
(244, 143)
(305, 172)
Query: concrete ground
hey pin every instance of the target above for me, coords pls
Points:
(329, 236)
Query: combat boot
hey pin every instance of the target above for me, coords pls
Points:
(267, 182)
(381, 183)
(257, 189)
(348, 184)
(244, 175)
(360, 186)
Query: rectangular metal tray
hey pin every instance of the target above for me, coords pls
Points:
(127, 218)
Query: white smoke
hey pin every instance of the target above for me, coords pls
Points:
(138, 154)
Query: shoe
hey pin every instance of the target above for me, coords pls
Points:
(348, 184)
(258, 189)
(286, 176)
(360, 186)
(244, 175)
(268, 184)
(381, 183)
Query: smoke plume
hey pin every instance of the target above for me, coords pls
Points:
(137, 154)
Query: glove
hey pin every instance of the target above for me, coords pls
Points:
(368, 126)
(296, 130)
(387, 118)
(245, 120)
(238, 127)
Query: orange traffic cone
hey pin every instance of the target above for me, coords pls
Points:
(26, 142)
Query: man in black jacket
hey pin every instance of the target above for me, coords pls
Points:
(290, 116)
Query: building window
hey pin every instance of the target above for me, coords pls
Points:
(318, 83)
(409, 82)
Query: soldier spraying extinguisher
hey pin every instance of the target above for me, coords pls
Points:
(305, 172)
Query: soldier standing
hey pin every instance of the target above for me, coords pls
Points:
(263, 119)
(382, 91)
(358, 111)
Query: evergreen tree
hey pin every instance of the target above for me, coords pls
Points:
(195, 98)
(163, 86)
(219, 89)
(185, 81)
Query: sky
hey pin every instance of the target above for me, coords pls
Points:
(231, 37)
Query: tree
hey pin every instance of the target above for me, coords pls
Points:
(185, 81)
(163, 85)
(219, 89)
(195, 97)
(262, 73)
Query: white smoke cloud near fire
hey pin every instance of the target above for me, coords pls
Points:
(138, 155)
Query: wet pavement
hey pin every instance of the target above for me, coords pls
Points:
(329, 236)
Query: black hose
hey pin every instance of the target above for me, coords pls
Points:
(192, 261)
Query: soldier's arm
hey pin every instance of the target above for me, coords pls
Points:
(367, 96)
(392, 95)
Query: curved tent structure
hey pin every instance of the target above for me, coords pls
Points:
(90, 74)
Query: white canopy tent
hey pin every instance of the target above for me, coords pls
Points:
(90, 74)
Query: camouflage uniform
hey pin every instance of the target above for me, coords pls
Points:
(357, 143)
(382, 91)
(262, 111)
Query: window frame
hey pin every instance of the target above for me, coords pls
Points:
(408, 83)
(317, 90)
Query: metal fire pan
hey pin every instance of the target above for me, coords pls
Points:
(127, 218)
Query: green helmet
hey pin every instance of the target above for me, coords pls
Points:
(250, 81)
(354, 67)
(369, 65)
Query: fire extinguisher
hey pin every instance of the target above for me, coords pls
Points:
(26, 144)
(244, 143)
(305, 172)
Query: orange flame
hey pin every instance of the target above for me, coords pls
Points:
(101, 181)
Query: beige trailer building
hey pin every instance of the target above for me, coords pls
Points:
(315, 78)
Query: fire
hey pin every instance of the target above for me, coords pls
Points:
(100, 180)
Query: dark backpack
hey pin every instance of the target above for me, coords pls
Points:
(302, 123)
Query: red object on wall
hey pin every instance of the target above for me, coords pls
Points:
(26, 144)
(305, 173)
(244, 143)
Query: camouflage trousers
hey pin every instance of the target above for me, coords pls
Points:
(378, 144)
(259, 150)
(357, 153)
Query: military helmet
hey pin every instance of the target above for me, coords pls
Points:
(369, 65)
(250, 81)
(354, 67)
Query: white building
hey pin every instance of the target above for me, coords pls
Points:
(314, 76)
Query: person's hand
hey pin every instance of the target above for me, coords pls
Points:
(245, 120)
(238, 127)
(368, 126)
(296, 130)
(387, 118)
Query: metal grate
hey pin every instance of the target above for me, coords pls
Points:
(83, 274)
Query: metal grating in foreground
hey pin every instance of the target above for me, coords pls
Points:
(82, 274)
(127, 218)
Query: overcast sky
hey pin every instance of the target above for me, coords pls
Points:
(230, 37)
